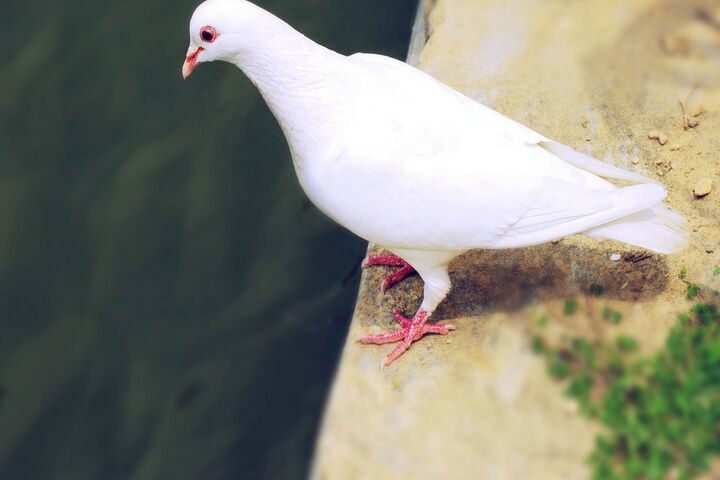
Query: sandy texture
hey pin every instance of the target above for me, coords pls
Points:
(633, 83)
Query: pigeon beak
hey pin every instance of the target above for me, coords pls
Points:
(191, 61)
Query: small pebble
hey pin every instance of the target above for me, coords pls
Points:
(674, 147)
(702, 187)
(675, 45)
(661, 137)
(615, 257)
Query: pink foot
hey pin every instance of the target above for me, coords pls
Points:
(389, 261)
(411, 331)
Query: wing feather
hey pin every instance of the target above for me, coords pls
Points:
(479, 179)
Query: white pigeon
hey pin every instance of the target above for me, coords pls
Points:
(410, 164)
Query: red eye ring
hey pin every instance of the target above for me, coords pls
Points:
(208, 34)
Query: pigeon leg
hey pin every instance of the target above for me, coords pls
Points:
(389, 261)
(410, 331)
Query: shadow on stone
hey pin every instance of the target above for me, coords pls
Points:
(484, 281)
(489, 280)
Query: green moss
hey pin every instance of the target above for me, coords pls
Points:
(570, 307)
(661, 412)
(538, 344)
(542, 321)
(612, 316)
(626, 344)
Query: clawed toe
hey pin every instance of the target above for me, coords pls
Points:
(389, 261)
(382, 338)
(383, 260)
(410, 331)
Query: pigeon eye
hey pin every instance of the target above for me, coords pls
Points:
(208, 34)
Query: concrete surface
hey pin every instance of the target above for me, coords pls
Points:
(603, 78)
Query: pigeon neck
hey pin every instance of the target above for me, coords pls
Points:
(302, 82)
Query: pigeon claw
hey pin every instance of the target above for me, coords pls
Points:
(389, 261)
(409, 332)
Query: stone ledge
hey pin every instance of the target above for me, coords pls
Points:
(477, 403)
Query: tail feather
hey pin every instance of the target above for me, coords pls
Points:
(592, 165)
(658, 228)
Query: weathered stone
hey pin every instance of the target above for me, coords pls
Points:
(477, 403)
(702, 187)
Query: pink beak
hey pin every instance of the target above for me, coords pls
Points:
(190, 61)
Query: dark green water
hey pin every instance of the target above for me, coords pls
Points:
(171, 307)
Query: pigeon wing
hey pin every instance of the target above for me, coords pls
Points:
(391, 69)
(445, 204)
(476, 179)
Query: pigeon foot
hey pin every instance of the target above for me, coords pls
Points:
(389, 261)
(410, 331)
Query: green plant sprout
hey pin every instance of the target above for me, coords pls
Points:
(612, 316)
(542, 321)
(661, 413)
(683, 271)
(570, 307)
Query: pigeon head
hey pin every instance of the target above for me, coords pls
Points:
(216, 31)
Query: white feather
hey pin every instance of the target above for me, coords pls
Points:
(658, 228)
(407, 162)
(592, 165)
